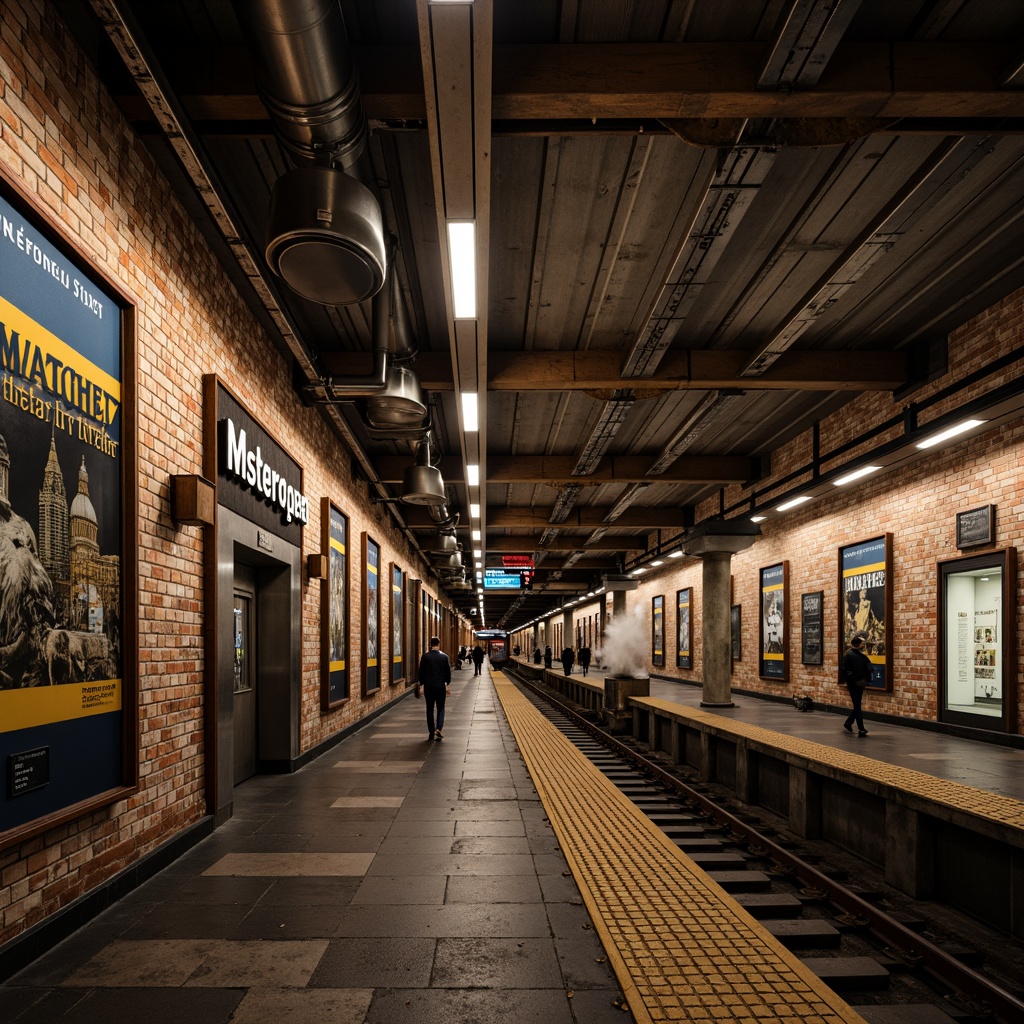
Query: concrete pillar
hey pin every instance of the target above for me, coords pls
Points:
(618, 603)
(716, 540)
(716, 631)
(536, 638)
(568, 636)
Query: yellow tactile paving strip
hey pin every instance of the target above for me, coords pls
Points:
(957, 795)
(681, 947)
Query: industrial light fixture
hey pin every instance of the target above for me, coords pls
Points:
(462, 253)
(953, 431)
(792, 503)
(855, 475)
(675, 554)
(422, 483)
(473, 474)
(758, 519)
(474, 511)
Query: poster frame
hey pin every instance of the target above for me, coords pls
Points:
(773, 666)
(53, 232)
(371, 624)
(684, 651)
(658, 631)
(338, 570)
(399, 645)
(865, 554)
(809, 653)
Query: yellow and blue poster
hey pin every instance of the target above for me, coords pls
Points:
(61, 719)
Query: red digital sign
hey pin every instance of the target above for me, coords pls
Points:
(517, 561)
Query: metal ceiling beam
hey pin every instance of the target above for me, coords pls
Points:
(537, 82)
(556, 470)
(564, 543)
(699, 370)
(581, 518)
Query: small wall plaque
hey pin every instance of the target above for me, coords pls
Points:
(976, 527)
(28, 770)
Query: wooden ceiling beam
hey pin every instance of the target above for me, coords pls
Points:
(563, 542)
(535, 82)
(556, 471)
(687, 370)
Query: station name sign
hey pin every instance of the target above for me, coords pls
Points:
(498, 579)
(247, 464)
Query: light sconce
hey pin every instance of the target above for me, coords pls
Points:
(193, 500)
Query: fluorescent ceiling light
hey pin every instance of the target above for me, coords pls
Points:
(478, 553)
(675, 554)
(476, 535)
(470, 422)
(462, 252)
(479, 565)
(792, 503)
(855, 475)
(657, 561)
(637, 572)
(474, 511)
(953, 431)
(473, 474)
(758, 519)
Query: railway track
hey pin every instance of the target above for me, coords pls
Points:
(879, 950)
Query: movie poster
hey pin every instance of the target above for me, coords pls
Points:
(864, 571)
(774, 624)
(60, 526)
(397, 624)
(684, 628)
(334, 607)
(371, 604)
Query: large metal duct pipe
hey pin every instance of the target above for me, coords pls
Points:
(307, 77)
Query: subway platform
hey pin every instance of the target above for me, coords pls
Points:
(493, 876)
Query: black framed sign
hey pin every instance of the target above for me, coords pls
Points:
(774, 622)
(865, 604)
(684, 628)
(68, 529)
(976, 527)
(371, 615)
(735, 620)
(812, 608)
(398, 671)
(658, 631)
(334, 606)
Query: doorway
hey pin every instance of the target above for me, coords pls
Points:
(244, 654)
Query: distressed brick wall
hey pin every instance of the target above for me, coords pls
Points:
(63, 139)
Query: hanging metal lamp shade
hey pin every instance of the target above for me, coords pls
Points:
(443, 544)
(400, 404)
(422, 484)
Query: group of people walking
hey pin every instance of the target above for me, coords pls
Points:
(568, 658)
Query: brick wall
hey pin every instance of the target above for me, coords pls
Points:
(65, 142)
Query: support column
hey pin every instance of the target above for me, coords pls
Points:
(568, 637)
(716, 541)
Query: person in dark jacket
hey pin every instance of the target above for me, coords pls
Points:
(585, 658)
(435, 676)
(477, 655)
(567, 659)
(536, 655)
(547, 656)
(855, 671)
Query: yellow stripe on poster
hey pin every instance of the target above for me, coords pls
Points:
(773, 657)
(860, 570)
(78, 382)
(772, 586)
(338, 666)
(32, 706)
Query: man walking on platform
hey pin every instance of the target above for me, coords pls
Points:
(567, 659)
(584, 654)
(855, 671)
(478, 659)
(435, 676)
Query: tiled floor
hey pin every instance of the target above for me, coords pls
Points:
(393, 880)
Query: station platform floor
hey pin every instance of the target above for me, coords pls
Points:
(494, 876)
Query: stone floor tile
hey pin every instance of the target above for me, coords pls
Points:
(375, 963)
(401, 890)
(292, 864)
(304, 1006)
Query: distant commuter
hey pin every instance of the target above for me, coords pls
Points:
(536, 655)
(855, 671)
(567, 659)
(547, 656)
(435, 676)
(478, 659)
(585, 658)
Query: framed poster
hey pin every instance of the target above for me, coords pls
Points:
(812, 607)
(976, 527)
(398, 672)
(774, 625)
(371, 615)
(68, 530)
(334, 607)
(658, 631)
(737, 634)
(865, 604)
(684, 628)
